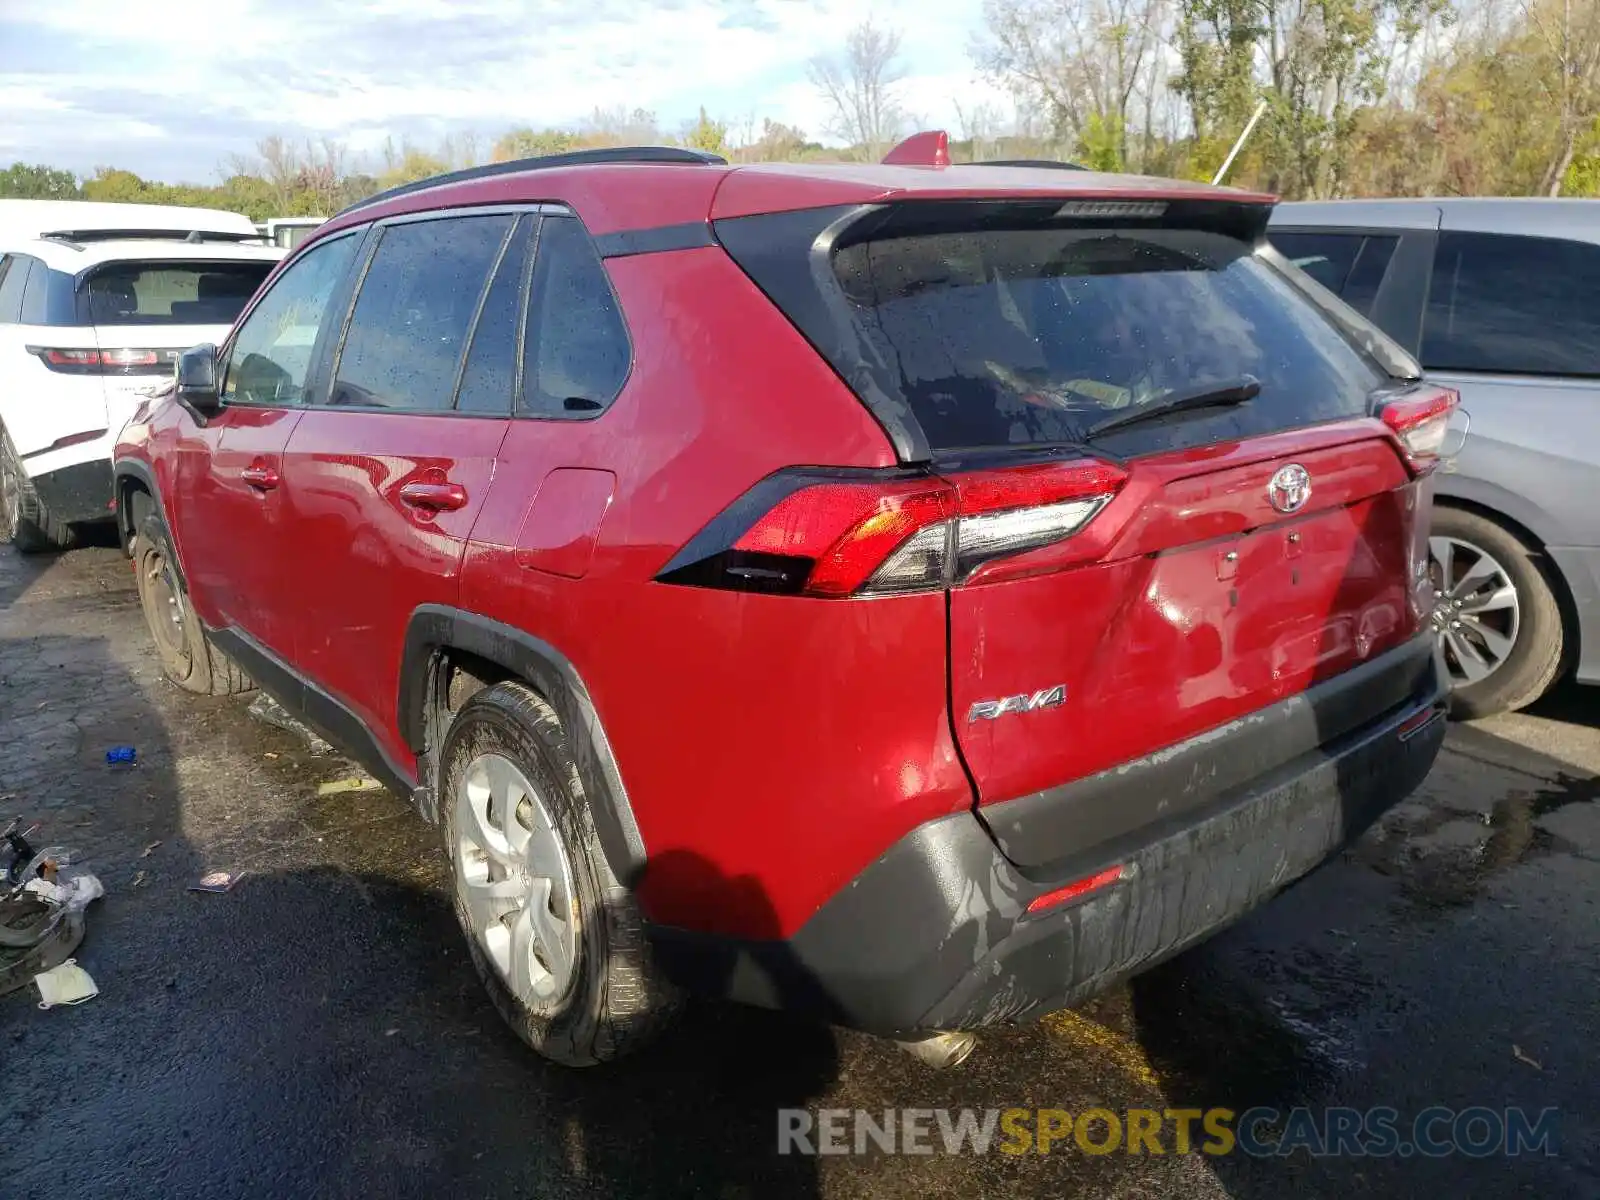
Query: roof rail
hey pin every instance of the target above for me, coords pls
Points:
(573, 158)
(81, 237)
(1048, 164)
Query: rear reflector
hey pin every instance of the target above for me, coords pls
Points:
(1073, 891)
(1421, 420)
(880, 536)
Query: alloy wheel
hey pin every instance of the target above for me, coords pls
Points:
(1476, 613)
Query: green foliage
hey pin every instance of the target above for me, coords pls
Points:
(533, 143)
(1101, 142)
(706, 134)
(24, 181)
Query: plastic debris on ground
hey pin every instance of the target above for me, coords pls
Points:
(217, 881)
(122, 756)
(358, 783)
(65, 983)
(42, 905)
(265, 708)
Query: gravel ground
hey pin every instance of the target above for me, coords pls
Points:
(319, 1029)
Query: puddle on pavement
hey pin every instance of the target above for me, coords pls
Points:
(1444, 856)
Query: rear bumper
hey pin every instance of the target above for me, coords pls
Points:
(935, 933)
(77, 493)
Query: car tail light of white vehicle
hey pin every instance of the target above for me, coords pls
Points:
(77, 360)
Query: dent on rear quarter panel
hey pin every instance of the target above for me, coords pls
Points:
(769, 745)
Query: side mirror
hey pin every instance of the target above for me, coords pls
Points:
(197, 379)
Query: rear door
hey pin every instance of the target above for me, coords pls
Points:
(1252, 549)
(1513, 322)
(386, 474)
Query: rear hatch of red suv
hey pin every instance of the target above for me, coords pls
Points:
(1165, 483)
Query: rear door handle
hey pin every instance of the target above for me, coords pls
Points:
(260, 476)
(433, 497)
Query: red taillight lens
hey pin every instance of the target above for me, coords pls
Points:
(1421, 420)
(130, 358)
(72, 360)
(883, 536)
(847, 529)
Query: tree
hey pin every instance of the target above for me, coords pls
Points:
(116, 186)
(706, 134)
(1085, 61)
(860, 87)
(22, 181)
(524, 142)
(1569, 31)
(407, 164)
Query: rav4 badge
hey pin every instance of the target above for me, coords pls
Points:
(988, 710)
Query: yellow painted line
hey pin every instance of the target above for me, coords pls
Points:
(1127, 1055)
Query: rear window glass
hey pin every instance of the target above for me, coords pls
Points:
(1028, 336)
(996, 330)
(204, 293)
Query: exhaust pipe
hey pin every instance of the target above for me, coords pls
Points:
(941, 1051)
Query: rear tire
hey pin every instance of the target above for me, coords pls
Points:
(564, 959)
(24, 520)
(1486, 560)
(187, 656)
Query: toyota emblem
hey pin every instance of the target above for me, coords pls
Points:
(1290, 488)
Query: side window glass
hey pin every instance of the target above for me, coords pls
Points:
(489, 380)
(1519, 305)
(576, 352)
(271, 355)
(13, 277)
(1366, 273)
(1326, 257)
(404, 345)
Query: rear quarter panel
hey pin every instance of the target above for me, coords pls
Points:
(771, 747)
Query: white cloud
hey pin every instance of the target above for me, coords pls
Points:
(136, 91)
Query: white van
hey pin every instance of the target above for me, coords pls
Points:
(96, 303)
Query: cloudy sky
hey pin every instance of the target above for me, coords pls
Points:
(171, 88)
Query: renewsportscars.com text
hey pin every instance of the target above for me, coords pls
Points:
(1435, 1132)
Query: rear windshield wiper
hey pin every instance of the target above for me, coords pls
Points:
(1208, 395)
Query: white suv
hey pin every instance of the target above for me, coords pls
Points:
(96, 303)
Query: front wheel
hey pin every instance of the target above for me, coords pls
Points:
(1495, 615)
(558, 942)
(187, 656)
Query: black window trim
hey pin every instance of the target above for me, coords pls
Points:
(369, 254)
(325, 357)
(517, 411)
(374, 230)
(527, 226)
(225, 351)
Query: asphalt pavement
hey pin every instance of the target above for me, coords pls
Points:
(319, 1029)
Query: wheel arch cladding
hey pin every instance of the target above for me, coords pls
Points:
(437, 628)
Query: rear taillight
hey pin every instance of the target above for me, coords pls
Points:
(70, 360)
(1421, 420)
(842, 536)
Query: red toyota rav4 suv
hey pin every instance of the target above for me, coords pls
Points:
(914, 594)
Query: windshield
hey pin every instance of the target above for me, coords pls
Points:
(173, 293)
(1003, 337)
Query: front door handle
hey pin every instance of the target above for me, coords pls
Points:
(260, 476)
(433, 497)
